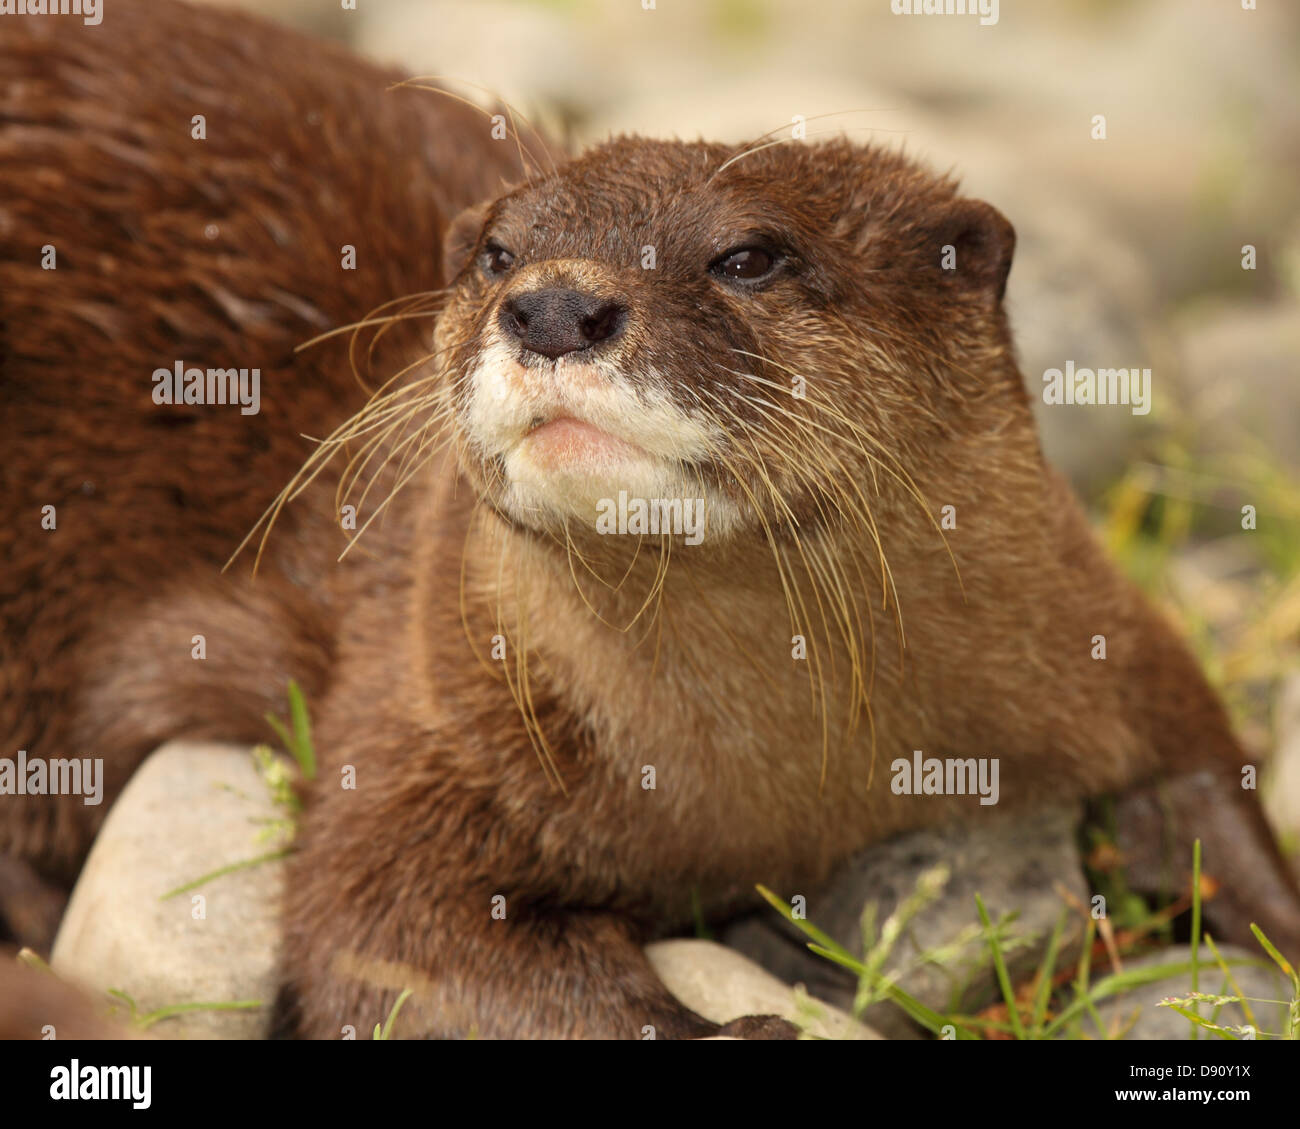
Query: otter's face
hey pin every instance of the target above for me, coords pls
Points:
(655, 322)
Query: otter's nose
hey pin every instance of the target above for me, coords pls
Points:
(554, 321)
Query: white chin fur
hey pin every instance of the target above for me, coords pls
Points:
(507, 400)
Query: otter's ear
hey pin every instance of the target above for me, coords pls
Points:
(462, 237)
(973, 244)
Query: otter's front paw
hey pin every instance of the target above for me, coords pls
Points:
(759, 1027)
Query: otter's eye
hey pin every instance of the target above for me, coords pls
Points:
(496, 260)
(745, 264)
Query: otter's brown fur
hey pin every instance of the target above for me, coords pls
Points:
(213, 252)
(498, 679)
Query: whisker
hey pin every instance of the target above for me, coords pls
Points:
(419, 82)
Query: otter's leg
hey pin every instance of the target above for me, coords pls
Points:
(1158, 825)
(1188, 781)
(386, 892)
(1202, 794)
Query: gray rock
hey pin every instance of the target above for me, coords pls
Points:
(189, 809)
(1138, 1015)
(1013, 861)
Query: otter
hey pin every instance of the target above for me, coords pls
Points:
(653, 501)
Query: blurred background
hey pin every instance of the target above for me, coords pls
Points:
(1130, 249)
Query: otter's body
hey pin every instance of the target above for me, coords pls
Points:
(557, 736)
(220, 252)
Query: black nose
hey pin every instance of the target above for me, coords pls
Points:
(554, 322)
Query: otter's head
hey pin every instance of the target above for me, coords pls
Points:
(772, 330)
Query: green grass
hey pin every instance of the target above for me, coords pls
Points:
(143, 1021)
(296, 736)
(278, 777)
(386, 1030)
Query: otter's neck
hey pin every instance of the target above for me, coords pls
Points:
(745, 655)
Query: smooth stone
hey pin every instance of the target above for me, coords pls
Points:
(189, 809)
(723, 985)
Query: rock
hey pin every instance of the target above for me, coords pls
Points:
(1013, 861)
(189, 809)
(722, 985)
(1137, 1011)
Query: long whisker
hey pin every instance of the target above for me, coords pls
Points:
(370, 320)
(419, 82)
(895, 469)
(816, 569)
(887, 574)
